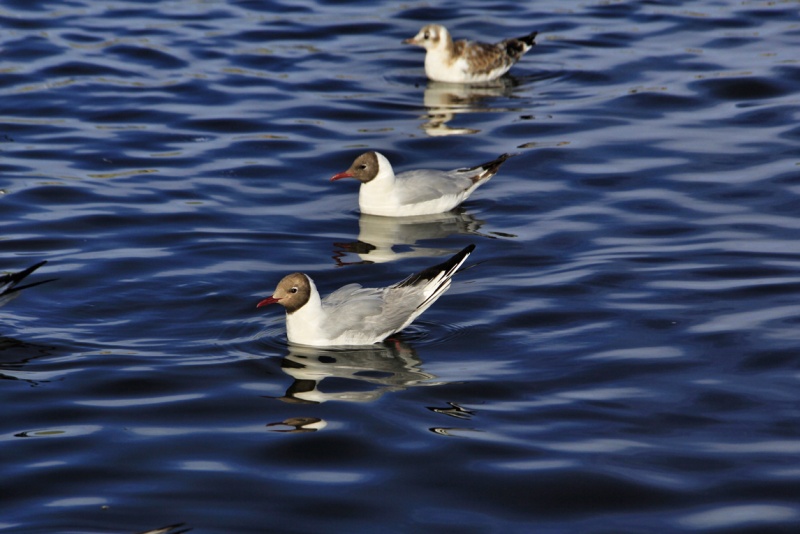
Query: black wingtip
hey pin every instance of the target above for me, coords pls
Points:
(517, 47)
(432, 272)
(456, 259)
(467, 250)
(15, 278)
(22, 274)
(529, 39)
(490, 168)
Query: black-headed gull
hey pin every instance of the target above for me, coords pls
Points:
(467, 61)
(9, 283)
(418, 192)
(355, 315)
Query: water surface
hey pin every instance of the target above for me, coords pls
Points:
(618, 355)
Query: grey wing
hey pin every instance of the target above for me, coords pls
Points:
(423, 185)
(401, 306)
(369, 309)
(352, 306)
(342, 295)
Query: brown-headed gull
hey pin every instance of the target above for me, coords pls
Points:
(355, 315)
(467, 61)
(9, 283)
(417, 192)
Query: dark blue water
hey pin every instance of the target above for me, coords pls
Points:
(622, 353)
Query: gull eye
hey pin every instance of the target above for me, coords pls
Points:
(293, 290)
(426, 35)
(363, 166)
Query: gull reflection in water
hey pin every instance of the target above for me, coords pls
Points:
(378, 236)
(296, 425)
(16, 354)
(446, 100)
(353, 375)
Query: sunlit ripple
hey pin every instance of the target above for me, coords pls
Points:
(185, 430)
(739, 516)
(78, 501)
(329, 477)
(126, 403)
(747, 320)
(639, 353)
(597, 446)
(205, 465)
(759, 447)
(536, 465)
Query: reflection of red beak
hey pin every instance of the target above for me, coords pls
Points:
(267, 301)
(341, 175)
(410, 40)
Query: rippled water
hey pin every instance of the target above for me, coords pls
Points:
(620, 355)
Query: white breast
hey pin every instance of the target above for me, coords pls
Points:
(438, 67)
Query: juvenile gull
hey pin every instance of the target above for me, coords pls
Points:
(417, 192)
(467, 61)
(355, 315)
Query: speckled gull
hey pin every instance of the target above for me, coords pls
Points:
(467, 61)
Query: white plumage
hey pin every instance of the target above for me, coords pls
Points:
(416, 192)
(355, 315)
(467, 61)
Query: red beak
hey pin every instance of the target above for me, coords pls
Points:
(267, 301)
(341, 175)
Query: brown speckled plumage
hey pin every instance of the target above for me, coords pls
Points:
(468, 61)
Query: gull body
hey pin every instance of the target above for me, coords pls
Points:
(355, 315)
(416, 192)
(467, 61)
